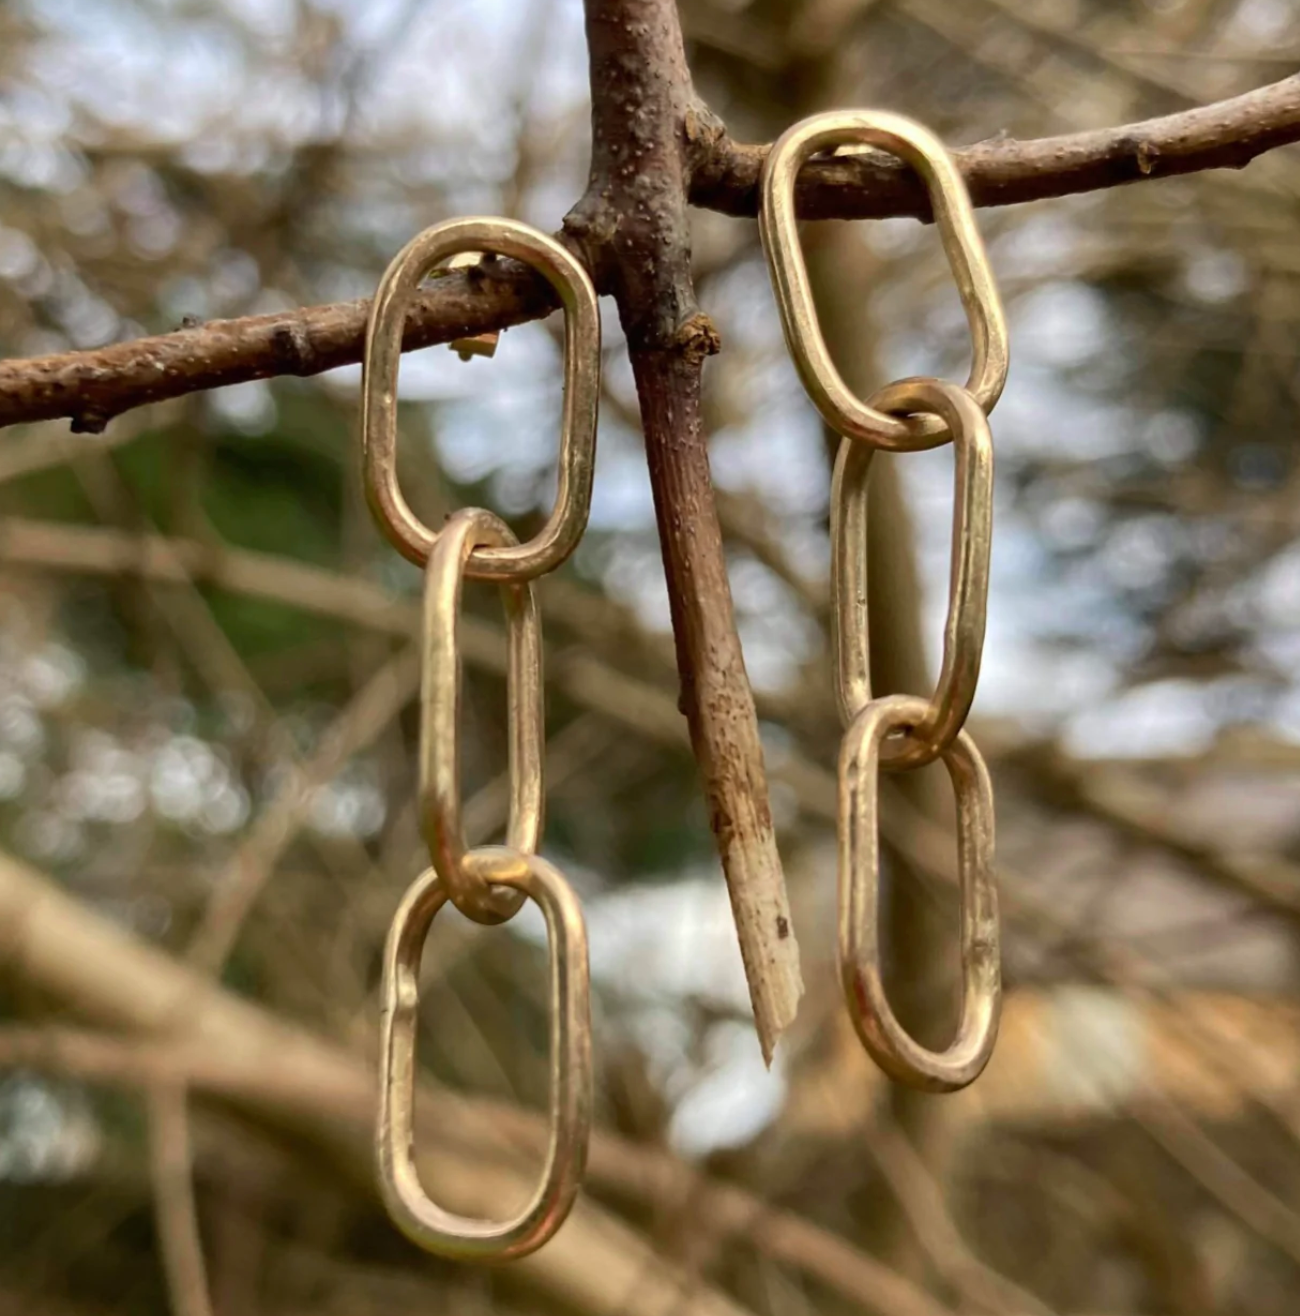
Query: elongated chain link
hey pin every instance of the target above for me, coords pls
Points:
(490, 883)
(955, 220)
(465, 1238)
(897, 1053)
(902, 732)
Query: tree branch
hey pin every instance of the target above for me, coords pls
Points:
(92, 387)
(1002, 171)
(647, 130)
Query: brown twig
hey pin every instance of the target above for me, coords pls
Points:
(1002, 172)
(1222, 1177)
(93, 387)
(1115, 797)
(921, 1197)
(633, 225)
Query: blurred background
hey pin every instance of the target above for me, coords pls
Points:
(207, 685)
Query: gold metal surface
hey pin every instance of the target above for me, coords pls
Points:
(972, 535)
(464, 1238)
(955, 220)
(440, 699)
(407, 533)
(893, 1049)
(488, 884)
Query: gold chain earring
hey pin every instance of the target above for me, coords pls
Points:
(490, 883)
(901, 732)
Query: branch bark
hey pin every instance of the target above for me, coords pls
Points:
(1003, 172)
(90, 388)
(648, 128)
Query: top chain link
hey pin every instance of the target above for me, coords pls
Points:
(405, 531)
(900, 732)
(955, 220)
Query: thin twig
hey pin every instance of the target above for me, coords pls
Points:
(1227, 134)
(1111, 796)
(478, 1152)
(92, 387)
(920, 1196)
(1189, 1146)
(370, 710)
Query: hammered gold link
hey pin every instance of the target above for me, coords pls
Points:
(440, 700)
(972, 535)
(955, 220)
(465, 1238)
(893, 1049)
(405, 531)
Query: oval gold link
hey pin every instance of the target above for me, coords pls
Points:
(440, 699)
(407, 533)
(893, 1049)
(972, 538)
(465, 1238)
(955, 220)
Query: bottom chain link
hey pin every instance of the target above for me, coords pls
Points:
(893, 1049)
(423, 1221)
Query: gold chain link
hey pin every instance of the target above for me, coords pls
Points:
(898, 1054)
(901, 732)
(490, 883)
(972, 539)
(955, 220)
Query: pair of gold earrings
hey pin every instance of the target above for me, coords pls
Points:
(490, 883)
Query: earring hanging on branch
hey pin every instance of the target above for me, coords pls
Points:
(901, 732)
(490, 883)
